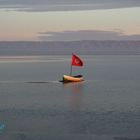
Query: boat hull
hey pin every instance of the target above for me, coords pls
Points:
(78, 78)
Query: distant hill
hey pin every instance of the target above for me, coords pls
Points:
(63, 48)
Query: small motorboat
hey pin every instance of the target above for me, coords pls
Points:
(77, 78)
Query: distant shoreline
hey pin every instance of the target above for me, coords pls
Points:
(87, 47)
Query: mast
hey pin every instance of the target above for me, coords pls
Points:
(71, 70)
(71, 67)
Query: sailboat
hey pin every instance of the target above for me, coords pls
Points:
(76, 61)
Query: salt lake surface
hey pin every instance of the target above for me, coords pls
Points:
(34, 105)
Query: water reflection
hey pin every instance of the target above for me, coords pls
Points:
(75, 89)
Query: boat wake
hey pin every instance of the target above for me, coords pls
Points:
(42, 82)
(29, 82)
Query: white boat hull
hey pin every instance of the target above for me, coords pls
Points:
(78, 78)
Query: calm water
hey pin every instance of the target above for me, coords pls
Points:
(34, 105)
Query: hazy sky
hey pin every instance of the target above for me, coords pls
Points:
(53, 20)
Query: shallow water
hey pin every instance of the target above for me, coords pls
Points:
(34, 105)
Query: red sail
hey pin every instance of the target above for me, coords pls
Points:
(76, 61)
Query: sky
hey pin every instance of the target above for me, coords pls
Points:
(69, 20)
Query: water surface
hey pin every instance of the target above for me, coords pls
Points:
(34, 105)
